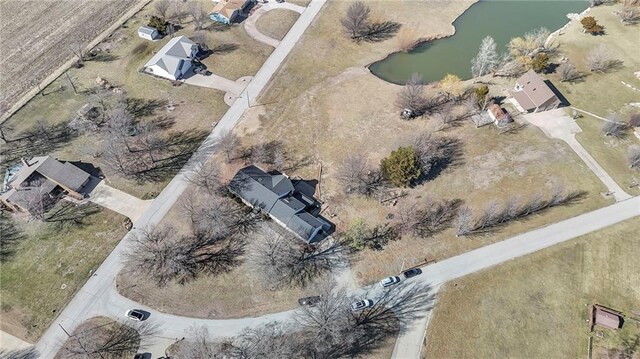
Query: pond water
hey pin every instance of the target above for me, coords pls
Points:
(500, 19)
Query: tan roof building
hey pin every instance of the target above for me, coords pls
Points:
(225, 11)
(41, 176)
(532, 94)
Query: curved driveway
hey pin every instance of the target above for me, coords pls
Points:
(250, 22)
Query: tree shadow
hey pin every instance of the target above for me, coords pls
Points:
(103, 57)
(35, 142)
(67, 214)
(449, 154)
(380, 31)
(10, 237)
(139, 107)
(224, 48)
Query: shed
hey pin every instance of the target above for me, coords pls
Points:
(499, 116)
(148, 32)
(606, 318)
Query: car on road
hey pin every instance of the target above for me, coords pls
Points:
(412, 272)
(135, 314)
(310, 301)
(389, 281)
(361, 304)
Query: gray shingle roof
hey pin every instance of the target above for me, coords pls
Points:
(275, 195)
(65, 173)
(147, 30)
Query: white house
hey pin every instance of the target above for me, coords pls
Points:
(174, 59)
(148, 32)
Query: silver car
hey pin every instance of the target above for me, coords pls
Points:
(361, 304)
(389, 281)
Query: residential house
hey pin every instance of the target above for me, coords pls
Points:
(285, 201)
(228, 11)
(499, 116)
(532, 94)
(148, 32)
(174, 59)
(31, 180)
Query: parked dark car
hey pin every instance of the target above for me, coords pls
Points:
(310, 301)
(412, 272)
(136, 314)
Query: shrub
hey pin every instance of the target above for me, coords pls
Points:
(590, 25)
(402, 167)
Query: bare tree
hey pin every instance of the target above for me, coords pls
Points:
(568, 72)
(105, 340)
(273, 340)
(599, 59)
(411, 98)
(629, 14)
(487, 59)
(426, 217)
(77, 49)
(162, 7)
(206, 176)
(360, 236)
(202, 39)
(163, 256)
(510, 68)
(357, 176)
(228, 143)
(6, 129)
(10, 238)
(197, 344)
(356, 19)
(285, 260)
(177, 11)
(614, 129)
(633, 159)
(199, 15)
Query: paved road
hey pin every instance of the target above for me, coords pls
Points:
(90, 300)
(409, 345)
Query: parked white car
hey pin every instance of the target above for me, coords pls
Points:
(389, 281)
(361, 304)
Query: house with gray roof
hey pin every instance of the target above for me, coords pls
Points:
(174, 59)
(33, 179)
(287, 202)
(532, 94)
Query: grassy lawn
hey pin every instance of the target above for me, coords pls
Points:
(602, 93)
(344, 109)
(193, 109)
(48, 268)
(276, 23)
(537, 306)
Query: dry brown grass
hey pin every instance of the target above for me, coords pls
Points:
(537, 306)
(328, 106)
(37, 36)
(276, 23)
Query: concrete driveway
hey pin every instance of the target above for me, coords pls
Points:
(557, 124)
(217, 82)
(8, 342)
(250, 23)
(118, 201)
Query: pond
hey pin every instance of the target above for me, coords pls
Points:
(499, 19)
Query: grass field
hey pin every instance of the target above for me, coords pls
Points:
(48, 268)
(193, 110)
(276, 23)
(603, 93)
(537, 306)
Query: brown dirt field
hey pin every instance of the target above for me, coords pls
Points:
(37, 36)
